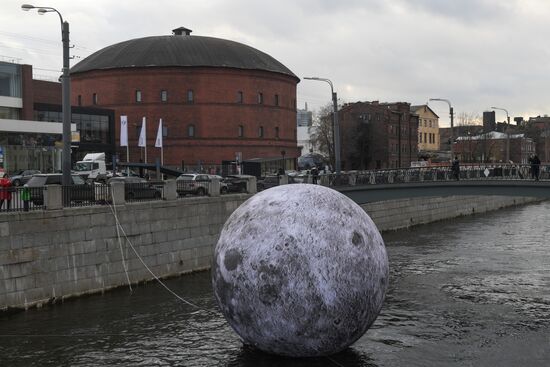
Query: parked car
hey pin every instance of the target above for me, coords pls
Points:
(22, 177)
(223, 185)
(236, 183)
(267, 182)
(192, 183)
(78, 191)
(137, 188)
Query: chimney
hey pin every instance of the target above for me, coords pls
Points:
(181, 31)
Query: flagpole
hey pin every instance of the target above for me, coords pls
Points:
(127, 160)
(145, 138)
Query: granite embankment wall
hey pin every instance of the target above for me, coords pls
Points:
(52, 255)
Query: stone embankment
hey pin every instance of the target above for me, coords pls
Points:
(55, 254)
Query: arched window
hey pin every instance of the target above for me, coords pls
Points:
(260, 98)
(191, 131)
(190, 96)
(261, 132)
(277, 132)
(240, 131)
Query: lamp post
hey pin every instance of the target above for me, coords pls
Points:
(66, 91)
(452, 114)
(507, 132)
(335, 126)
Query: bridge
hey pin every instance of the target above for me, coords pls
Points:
(481, 180)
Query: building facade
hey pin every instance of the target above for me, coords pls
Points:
(428, 128)
(30, 123)
(491, 147)
(378, 135)
(219, 100)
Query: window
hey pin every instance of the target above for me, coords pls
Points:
(277, 132)
(191, 131)
(94, 98)
(420, 137)
(261, 132)
(239, 97)
(240, 131)
(425, 137)
(276, 99)
(260, 98)
(138, 96)
(163, 95)
(79, 100)
(190, 96)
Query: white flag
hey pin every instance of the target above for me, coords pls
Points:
(158, 142)
(123, 131)
(142, 138)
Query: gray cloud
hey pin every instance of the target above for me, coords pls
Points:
(477, 53)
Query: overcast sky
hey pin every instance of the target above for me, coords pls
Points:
(476, 53)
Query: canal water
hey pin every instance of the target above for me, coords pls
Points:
(473, 291)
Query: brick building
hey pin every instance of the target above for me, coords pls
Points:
(491, 147)
(378, 135)
(30, 123)
(218, 99)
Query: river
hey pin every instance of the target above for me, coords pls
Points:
(473, 291)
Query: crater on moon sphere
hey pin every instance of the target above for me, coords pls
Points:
(300, 270)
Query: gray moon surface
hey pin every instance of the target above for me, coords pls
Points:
(300, 270)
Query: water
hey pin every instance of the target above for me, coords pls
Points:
(473, 291)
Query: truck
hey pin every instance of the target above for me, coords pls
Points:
(92, 167)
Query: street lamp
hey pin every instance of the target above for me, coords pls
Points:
(452, 114)
(66, 91)
(335, 126)
(507, 132)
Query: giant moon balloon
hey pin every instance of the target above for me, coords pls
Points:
(300, 270)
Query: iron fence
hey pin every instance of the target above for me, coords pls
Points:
(192, 187)
(440, 173)
(18, 199)
(144, 191)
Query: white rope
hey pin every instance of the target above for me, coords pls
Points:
(143, 262)
(120, 244)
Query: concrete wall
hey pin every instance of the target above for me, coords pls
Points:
(51, 255)
(403, 213)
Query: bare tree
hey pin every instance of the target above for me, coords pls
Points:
(468, 119)
(321, 137)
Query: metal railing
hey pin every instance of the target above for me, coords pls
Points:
(192, 187)
(18, 199)
(146, 191)
(435, 174)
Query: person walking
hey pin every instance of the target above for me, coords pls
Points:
(535, 167)
(5, 190)
(455, 168)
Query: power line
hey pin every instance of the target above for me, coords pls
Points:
(36, 39)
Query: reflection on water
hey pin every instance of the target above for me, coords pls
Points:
(471, 291)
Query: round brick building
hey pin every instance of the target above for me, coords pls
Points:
(218, 99)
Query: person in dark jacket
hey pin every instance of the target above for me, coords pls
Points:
(535, 167)
(455, 168)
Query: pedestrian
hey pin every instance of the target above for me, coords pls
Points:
(535, 167)
(455, 168)
(5, 190)
(314, 174)
(26, 197)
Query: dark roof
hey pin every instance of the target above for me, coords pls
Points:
(416, 108)
(180, 50)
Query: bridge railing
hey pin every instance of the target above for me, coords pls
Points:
(436, 174)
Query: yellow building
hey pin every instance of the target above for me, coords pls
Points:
(428, 128)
